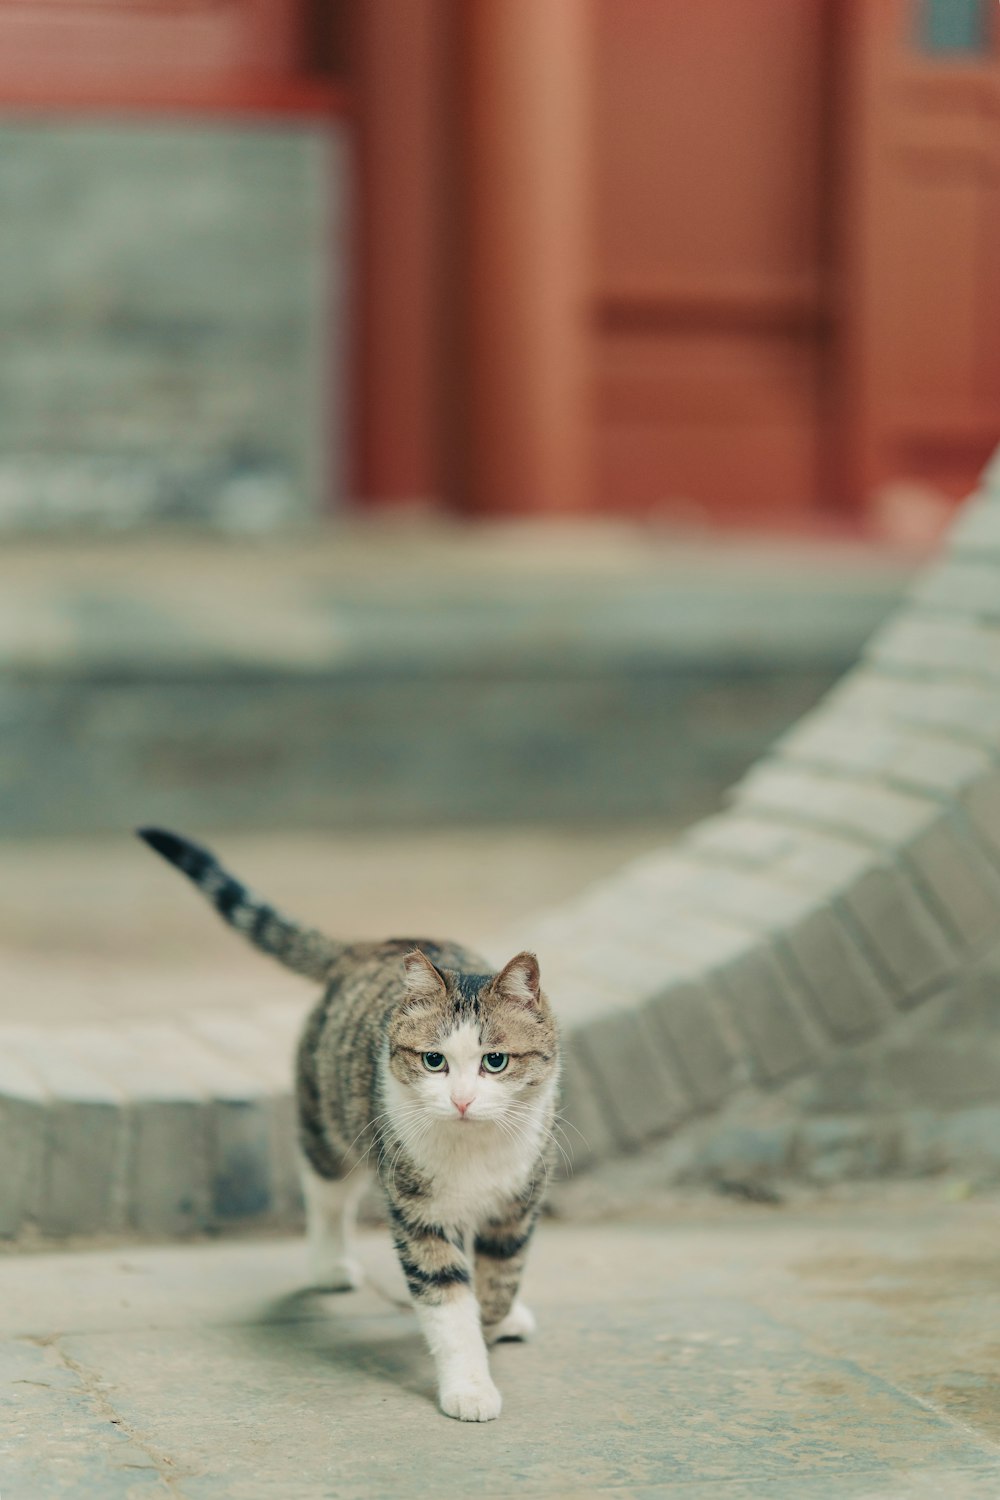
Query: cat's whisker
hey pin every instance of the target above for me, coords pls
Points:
(562, 1119)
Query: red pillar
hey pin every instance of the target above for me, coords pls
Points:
(399, 51)
(523, 120)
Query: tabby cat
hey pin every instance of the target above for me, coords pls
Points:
(439, 1075)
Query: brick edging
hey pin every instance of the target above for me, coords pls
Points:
(855, 874)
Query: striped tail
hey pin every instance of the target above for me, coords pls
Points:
(302, 949)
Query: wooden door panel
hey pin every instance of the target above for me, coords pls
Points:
(707, 137)
(701, 428)
(709, 285)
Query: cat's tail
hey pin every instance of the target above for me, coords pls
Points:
(302, 949)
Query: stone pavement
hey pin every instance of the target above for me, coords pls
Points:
(837, 1352)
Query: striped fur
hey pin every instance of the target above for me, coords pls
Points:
(463, 1190)
(300, 949)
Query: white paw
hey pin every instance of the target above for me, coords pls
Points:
(518, 1324)
(473, 1401)
(334, 1273)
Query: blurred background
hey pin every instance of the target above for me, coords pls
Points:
(443, 442)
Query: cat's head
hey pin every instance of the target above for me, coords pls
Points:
(472, 1047)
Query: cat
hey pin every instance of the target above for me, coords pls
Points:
(418, 1056)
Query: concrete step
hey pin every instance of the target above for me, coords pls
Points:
(401, 676)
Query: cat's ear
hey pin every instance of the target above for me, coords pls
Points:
(520, 980)
(423, 982)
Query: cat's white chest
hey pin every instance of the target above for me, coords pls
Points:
(474, 1170)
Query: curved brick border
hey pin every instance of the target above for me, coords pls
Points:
(855, 874)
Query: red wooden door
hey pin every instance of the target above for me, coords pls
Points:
(710, 132)
(921, 306)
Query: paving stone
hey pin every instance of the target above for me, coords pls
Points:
(240, 1127)
(807, 938)
(902, 758)
(927, 644)
(24, 1107)
(740, 841)
(867, 810)
(982, 804)
(808, 859)
(83, 1180)
(976, 529)
(965, 585)
(900, 935)
(756, 899)
(248, 1043)
(589, 1117)
(699, 1038)
(643, 1094)
(695, 937)
(847, 994)
(84, 1454)
(969, 711)
(963, 885)
(167, 1175)
(763, 1003)
(843, 1353)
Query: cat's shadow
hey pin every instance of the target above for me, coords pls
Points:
(367, 1333)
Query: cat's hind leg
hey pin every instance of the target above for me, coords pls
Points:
(519, 1323)
(331, 1216)
(501, 1246)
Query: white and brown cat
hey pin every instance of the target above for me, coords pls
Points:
(442, 1075)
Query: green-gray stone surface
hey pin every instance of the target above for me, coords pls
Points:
(837, 1353)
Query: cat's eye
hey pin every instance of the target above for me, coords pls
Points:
(495, 1062)
(434, 1062)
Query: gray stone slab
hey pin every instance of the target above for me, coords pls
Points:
(642, 1091)
(689, 1018)
(926, 644)
(900, 935)
(969, 711)
(749, 1359)
(250, 1043)
(847, 994)
(866, 809)
(982, 803)
(23, 1121)
(167, 1119)
(902, 757)
(976, 531)
(588, 1116)
(59, 1437)
(84, 1177)
(768, 1010)
(965, 585)
(962, 883)
(241, 1122)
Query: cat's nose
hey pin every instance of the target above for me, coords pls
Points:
(461, 1104)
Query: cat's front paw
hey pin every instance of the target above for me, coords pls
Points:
(472, 1401)
(518, 1324)
(335, 1273)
